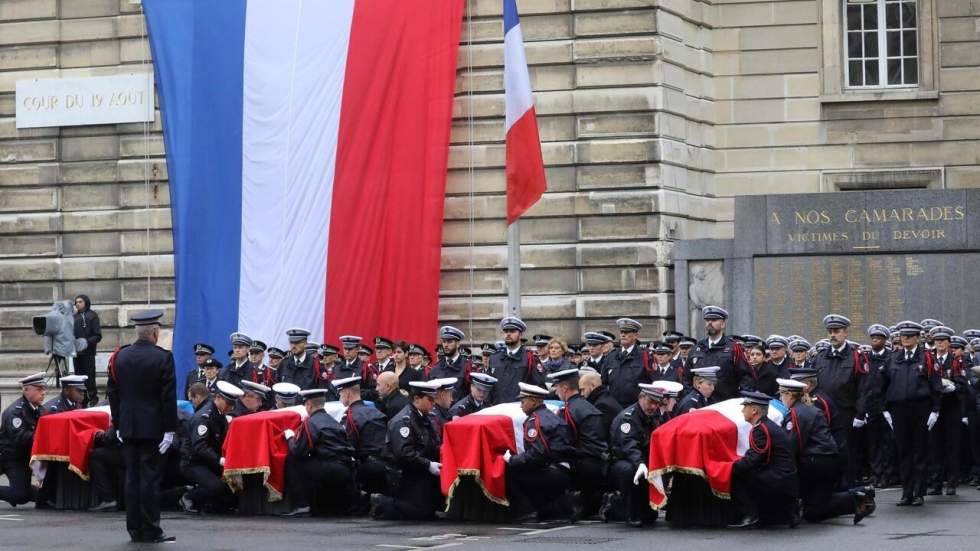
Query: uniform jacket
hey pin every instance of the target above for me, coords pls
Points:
(629, 435)
(321, 438)
(142, 390)
(808, 431)
(693, 400)
(843, 376)
(769, 459)
(412, 441)
(459, 368)
(911, 379)
(300, 373)
(623, 371)
(521, 367)
(366, 430)
(546, 441)
(205, 437)
(735, 373)
(59, 404)
(235, 374)
(467, 406)
(767, 375)
(17, 426)
(589, 436)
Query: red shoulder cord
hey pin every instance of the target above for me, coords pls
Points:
(352, 426)
(467, 369)
(316, 370)
(306, 429)
(796, 427)
(956, 368)
(531, 359)
(571, 421)
(929, 364)
(112, 364)
(646, 363)
(767, 449)
(824, 407)
(738, 354)
(860, 367)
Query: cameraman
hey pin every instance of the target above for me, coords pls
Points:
(87, 327)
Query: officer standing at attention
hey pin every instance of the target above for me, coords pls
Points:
(413, 446)
(299, 367)
(912, 391)
(239, 368)
(453, 364)
(481, 385)
(880, 442)
(202, 352)
(628, 366)
(367, 430)
(142, 389)
(946, 437)
(843, 375)
(538, 477)
(17, 437)
(320, 459)
(718, 349)
(764, 480)
(514, 364)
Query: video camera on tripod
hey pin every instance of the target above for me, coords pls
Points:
(58, 329)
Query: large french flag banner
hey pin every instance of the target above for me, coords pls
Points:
(704, 442)
(525, 165)
(307, 146)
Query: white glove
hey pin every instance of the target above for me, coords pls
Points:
(118, 437)
(858, 423)
(931, 421)
(506, 456)
(221, 462)
(435, 468)
(641, 474)
(168, 439)
(888, 419)
(948, 386)
(288, 434)
(965, 421)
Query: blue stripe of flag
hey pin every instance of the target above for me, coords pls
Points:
(510, 15)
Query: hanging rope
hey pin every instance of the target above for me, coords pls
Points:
(471, 173)
(146, 151)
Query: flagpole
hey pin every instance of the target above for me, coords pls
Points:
(514, 269)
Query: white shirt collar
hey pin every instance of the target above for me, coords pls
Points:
(513, 351)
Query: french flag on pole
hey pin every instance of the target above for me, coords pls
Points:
(307, 145)
(525, 167)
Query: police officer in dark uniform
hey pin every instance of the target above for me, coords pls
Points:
(718, 349)
(329, 368)
(352, 364)
(764, 480)
(627, 366)
(320, 459)
(629, 442)
(261, 373)
(595, 342)
(415, 453)
(514, 364)
(298, 367)
(239, 368)
(818, 461)
(912, 393)
(799, 348)
(843, 375)
(202, 352)
(212, 368)
(538, 477)
(589, 436)
(946, 437)
(255, 399)
(879, 439)
(663, 367)
(704, 382)
(439, 415)
(17, 425)
(777, 367)
(142, 389)
(481, 386)
(72, 395)
(285, 395)
(367, 432)
(453, 364)
(201, 460)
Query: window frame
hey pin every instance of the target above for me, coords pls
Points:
(832, 39)
(881, 32)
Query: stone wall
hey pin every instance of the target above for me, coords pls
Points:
(652, 114)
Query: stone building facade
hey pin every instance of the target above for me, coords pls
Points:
(653, 114)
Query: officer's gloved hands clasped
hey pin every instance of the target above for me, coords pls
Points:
(931, 421)
(888, 419)
(168, 439)
(435, 468)
(858, 422)
(288, 434)
(965, 421)
(641, 474)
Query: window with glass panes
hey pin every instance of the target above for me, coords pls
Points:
(881, 44)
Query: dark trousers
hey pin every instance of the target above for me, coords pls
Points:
(538, 488)
(372, 476)
(818, 475)
(209, 491)
(589, 477)
(142, 459)
(911, 444)
(852, 454)
(881, 448)
(307, 477)
(107, 471)
(636, 497)
(85, 365)
(19, 475)
(944, 443)
(417, 497)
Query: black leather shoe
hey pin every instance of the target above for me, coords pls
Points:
(917, 501)
(951, 490)
(634, 522)
(105, 507)
(865, 506)
(796, 516)
(163, 538)
(904, 502)
(744, 523)
(935, 491)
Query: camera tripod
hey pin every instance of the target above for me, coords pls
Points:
(60, 364)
